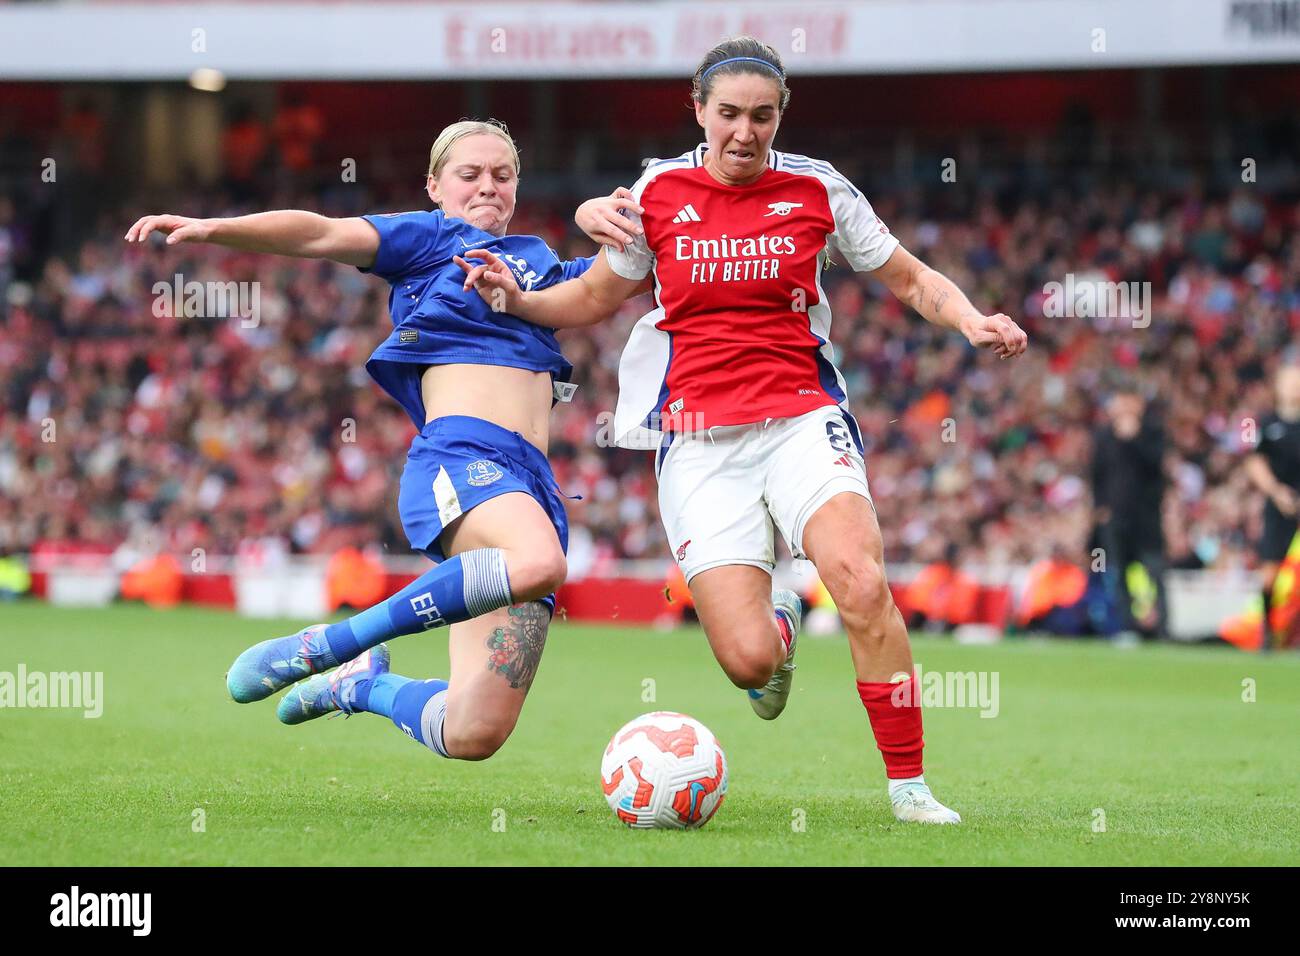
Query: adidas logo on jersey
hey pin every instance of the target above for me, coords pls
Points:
(687, 214)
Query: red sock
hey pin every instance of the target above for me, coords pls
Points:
(783, 628)
(895, 714)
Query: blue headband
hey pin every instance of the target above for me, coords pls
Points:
(741, 59)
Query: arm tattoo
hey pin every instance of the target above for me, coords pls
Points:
(937, 296)
(516, 649)
(940, 297)
(918, 303)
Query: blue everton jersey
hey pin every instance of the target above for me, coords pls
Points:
(436, 322)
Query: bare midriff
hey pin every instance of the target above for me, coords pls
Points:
(517, 399)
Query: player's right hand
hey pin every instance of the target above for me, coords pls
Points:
(175, 228)
(492, 280)
(608, 219)
(996, 332)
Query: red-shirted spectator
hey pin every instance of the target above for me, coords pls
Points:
(244, 145)
(298, 127)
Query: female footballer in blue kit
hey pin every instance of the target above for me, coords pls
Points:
(477, 494)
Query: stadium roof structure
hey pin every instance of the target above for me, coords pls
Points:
(461, 41)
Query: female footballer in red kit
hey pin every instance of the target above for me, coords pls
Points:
(734, 370)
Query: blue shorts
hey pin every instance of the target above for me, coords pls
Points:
(455, 464)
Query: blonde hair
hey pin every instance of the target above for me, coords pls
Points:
(454, 133)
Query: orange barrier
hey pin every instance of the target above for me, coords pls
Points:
(355, 580)
(157, 581)
(1245, 631)
(992, 604)
(1051, 584)
(943, 593)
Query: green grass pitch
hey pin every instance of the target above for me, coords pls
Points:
(1158, 739)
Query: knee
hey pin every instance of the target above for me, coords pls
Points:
(749, 667)
(478, 741)
(859, 588)
(533, 575)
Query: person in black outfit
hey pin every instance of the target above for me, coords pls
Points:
(1128, 486)
(1274, 468)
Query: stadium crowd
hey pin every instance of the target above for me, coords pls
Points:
(122, 422)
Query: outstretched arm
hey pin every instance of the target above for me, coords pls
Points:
(285, 232)
(938, 300)
(591, 298)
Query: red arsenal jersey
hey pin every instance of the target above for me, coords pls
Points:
(741, 333)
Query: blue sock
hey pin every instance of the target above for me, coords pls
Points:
(375, 696)
(419, 709)
(460, 588)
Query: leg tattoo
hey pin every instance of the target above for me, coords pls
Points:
(517, 647)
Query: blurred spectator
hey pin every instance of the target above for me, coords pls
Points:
(298, 128)
(83, 128)
(7, 244)
(1054, 598)
(1128, 486)
(941, 596)
(1274, 469)
(243, 149)
(15, 580)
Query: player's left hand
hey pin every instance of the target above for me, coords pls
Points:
(492, 279)
(996, 332)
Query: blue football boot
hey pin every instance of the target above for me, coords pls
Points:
(337, 691)
(273, 665)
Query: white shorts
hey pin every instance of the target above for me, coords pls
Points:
(721, 491)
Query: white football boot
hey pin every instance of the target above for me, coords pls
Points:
(769, 701)
(914, 803)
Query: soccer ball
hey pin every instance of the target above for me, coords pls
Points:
(664, 771)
